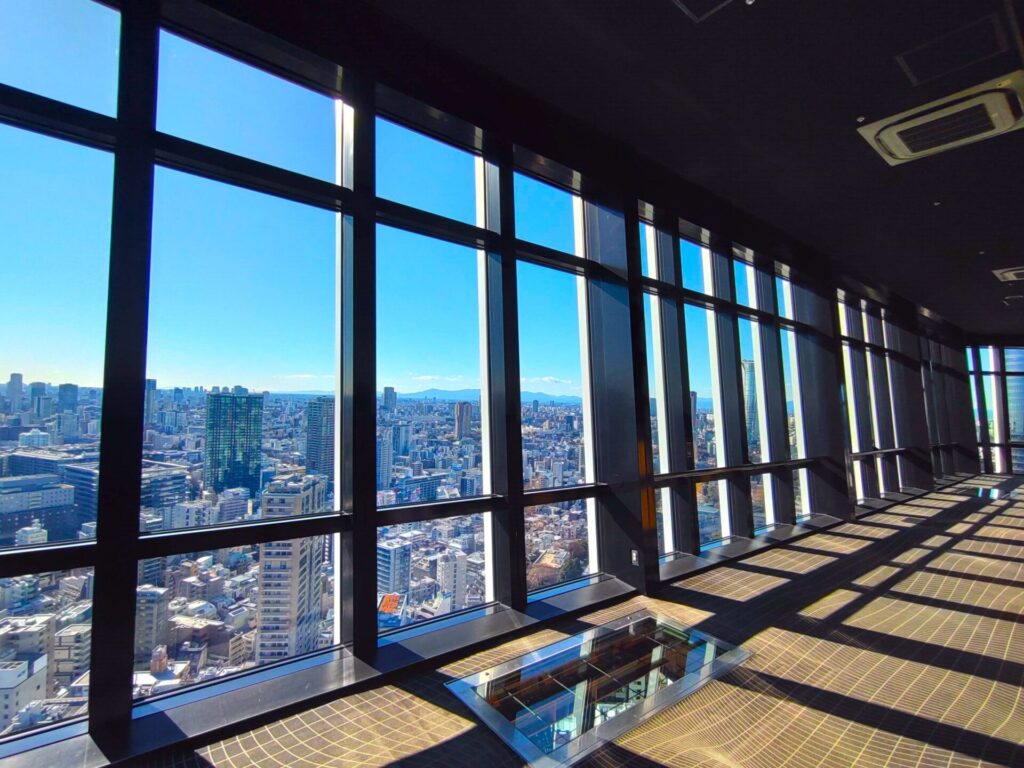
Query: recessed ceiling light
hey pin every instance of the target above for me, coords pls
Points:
(861, 119)
(937, 203)
(981, 253)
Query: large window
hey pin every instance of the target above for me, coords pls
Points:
(554, 392)
(54, 345)
(429, 368)
(996, 376)
(365, 372)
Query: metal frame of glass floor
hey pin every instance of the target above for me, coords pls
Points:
(558, 704)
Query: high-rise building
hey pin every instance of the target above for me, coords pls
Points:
(385, 459)
(36, 390)
(152, 619)
(72, 652)
(401, 439)
(150, 402)
(394, 566)
(750, 403)
(15, 389)
(67, 398)
(234, 433)
(162, 486)
(233, 504)
(390, 399)
(463, 419)
(451, 577)
(320, 437)
(288, 609)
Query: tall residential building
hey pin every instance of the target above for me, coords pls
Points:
(463, 419)
(385, 459)
(750, 403)
(150, 402)
(451, 577)
(288, 608)
(320, 437)
(67, 398)
(234, 432)
(401, 439)
(394, 566)
(152, 619)
(71, 652)
(390, 399)
(15, 388)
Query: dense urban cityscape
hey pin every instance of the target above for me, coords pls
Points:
(223, 455)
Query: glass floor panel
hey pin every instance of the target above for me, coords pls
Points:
(559, 703)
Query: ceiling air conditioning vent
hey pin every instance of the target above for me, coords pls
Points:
(974, 114)
(1009, 274)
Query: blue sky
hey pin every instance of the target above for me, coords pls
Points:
(243, 284)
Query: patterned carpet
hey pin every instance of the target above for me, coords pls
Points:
(892, 641)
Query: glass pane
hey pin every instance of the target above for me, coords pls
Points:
(648, 250)
(206, 615)
(1014, 357)
(712, 514)
(1015, 403)
(801, 500)
(791, 383)
(969, 353)
(46, 642)
(417, 170)
(752, 379)
(553, 389)
(656, 383)
(745, 278)
(993, 407)
(431, 568)
(881, 405)
(429, 438)
(236, 397)
(696, 266)
(663, 510)
(557, 544)
(545, 214)
(56, 264)
(989, 358)
(975, 408)
(851, 320)
(62, 49)
(1018, 460)
(762, 501)
(784, 297)
(705, 402)
(216, 100)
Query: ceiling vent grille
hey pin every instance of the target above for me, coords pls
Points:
(1009, 274)
(971, 115)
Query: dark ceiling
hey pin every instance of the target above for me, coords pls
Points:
(758, 103)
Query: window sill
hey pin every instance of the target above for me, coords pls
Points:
(217, 710)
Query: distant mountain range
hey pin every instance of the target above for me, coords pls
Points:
(474, 394)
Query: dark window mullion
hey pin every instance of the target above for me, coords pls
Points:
(110, 690)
